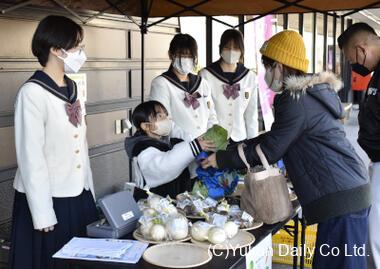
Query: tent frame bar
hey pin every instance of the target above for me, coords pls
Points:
(186, 8)
(59, 3)
(359, 9)
(16, 6)
(269, 13)
(307, 9)
(146, 5)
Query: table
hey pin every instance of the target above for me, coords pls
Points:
(233, 262)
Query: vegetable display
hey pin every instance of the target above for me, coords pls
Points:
(160, 220)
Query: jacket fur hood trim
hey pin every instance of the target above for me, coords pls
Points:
(297, 84)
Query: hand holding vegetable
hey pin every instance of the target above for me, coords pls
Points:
(218, 135)
(206, 144)
(210, 162)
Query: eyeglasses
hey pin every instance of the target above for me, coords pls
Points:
(79, 48)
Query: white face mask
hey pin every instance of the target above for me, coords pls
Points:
(275, 84)
(73, 60)
(183, 65)
(163, 127)
(231, 56)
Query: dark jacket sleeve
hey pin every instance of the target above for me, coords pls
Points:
(288, 126)
(230, 158)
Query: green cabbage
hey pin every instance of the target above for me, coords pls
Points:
(218, 135)
(199, 189)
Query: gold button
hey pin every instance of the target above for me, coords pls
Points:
(78, 166)
(77, 151)
(76, 136)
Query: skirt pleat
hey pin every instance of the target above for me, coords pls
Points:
(33, 249)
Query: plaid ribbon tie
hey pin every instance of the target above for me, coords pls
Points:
(191, 100)
(231, 91)
(74, 111)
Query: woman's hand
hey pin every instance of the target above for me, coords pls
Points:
(206, 145)
(47, 229)
(209, 162)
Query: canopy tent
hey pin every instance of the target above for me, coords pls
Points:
(173, 8)
(165, 9)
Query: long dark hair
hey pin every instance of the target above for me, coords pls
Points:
(235, 36)
(184, 42)
(145, 112)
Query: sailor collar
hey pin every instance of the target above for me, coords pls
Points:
(42, 79)
(194, 81)
(216, 70)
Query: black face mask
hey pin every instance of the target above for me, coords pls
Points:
(360, 68)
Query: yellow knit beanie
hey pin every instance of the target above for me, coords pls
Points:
(288, 48)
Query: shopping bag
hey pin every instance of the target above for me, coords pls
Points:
(265, 195)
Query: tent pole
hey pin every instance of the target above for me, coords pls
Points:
(345, 93)
(208, 40)
(143, 31)
(300, 23)
(342, 22)
(286, 21)
(325, 35)
(314, 33)
(241, 28)
(142, 62)
(334, 45)
(241, 24)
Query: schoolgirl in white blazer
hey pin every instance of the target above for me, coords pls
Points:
(186, 96)
(234, 88)
(53, 184)
(161, 151)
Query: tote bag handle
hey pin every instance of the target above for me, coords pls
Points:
(259, 151)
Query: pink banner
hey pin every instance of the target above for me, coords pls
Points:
(263, 31)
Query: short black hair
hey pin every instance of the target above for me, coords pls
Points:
(184, 42)
(232, 35)
(55, 32)
(352, 30)
(146, 111)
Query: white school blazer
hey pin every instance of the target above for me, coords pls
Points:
(195, 122)
(238, 116)
(157, 167)
(52, 154)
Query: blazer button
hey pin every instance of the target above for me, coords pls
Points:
(76, 136)
(198, 127)
(230, 114)
(78, 166)
(77, 151)
(230, 104)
